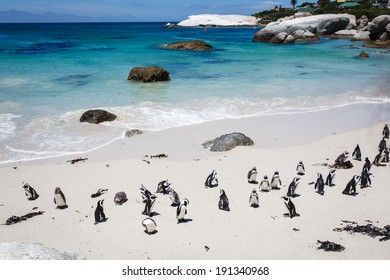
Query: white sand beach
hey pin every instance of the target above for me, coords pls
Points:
(281, 141)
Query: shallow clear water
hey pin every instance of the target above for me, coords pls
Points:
(51, 73)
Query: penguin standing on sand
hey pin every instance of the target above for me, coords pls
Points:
(212, 180)
(275, 181)
(223, 202)
(254, 199)
(30, 192)
(150, 226)
(252, 175)
(367, 164)
(174, 197)
(59, 199)
(379, 158)
(357, 154)
(385, 132)
(292, 187)
(145, 193)
(99, 213)
(290, 207)
(319, 185)
(264, 185)
(350, 189)
(163, 187)
(330, 178)
(365, 180)
(300, 168)
(148, 210)
(181, 210)
(382, 145)
(387, 153)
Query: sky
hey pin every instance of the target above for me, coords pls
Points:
(137, 10)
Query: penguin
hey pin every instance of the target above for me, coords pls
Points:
(367, 164)
(99, 213)
(254, 199)
(211, 180)
(330, 178)
(350, 189)
(150, 226)
(98, 193)
(30, 192)
(386, 156)
(145, 193)
(292, 187)
(379, 158)
(300, 168)
(223, 203)
(357, 154)
(319, 185)
(341, 158)
(264, 185)
(365, 180)
(385, 132)
(174, 197)
(382, 145)
(181, 210)
(290, 207)
(59, 199)
(163, 187)
(252, 175)
(120, 198)
(275, 181)
(148, 210)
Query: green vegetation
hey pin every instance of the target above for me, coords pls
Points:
(370, 8)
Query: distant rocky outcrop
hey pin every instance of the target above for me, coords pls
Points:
(216, 20)
(196, 45)
(148, 74)
(33, 251)
(319, 24)
(97, 116)
(227, 142)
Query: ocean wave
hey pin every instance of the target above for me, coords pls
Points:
(7, 125)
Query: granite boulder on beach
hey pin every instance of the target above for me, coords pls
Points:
(148, 74)
(227, 142)
(97, 116)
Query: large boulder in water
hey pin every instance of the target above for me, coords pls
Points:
(196, 45)
(148, 74)
(227, 142)
(97, 116)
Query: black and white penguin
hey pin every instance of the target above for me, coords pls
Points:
(387, 153)
(98, 193)
(99, 212)
(181, 210)
(150, 226)
(145, 193)
(341, 158)
(382, 145)
(350, 189)
(330, 178)
(379, 158)
(293, 187)
(223, 202)
(300, 168)
(254, 199)
(367, 164)
(357, 154)
(319, 185)
(212, 180)
(163, 187)
(252, 175)
(59, 199)
(385, 132)
(275, 181)
(264, 185)
(174, 197)
(30, 192)
(365, 180)
(148, 210)
(290, 207)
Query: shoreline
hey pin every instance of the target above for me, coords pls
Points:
(261, 233)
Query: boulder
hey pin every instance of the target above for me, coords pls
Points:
(308, 36)
(227, 142)
(289, 39)
(120, 198)
(362, 22)
(196, 45)
(363, 55)
(361, 36)
(344, 34)
(279, 38)
(148, 74)
(97, 116)
(133, 132)
(378, 26)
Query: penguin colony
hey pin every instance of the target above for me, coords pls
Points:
(164, 187)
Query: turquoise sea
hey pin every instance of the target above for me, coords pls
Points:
(51, 73)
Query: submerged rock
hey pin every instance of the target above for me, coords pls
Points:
(148, 74)
(97, 116)
(363, 55)
(196, 45)
(227, 142)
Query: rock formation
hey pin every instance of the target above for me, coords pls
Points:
(196, 45)
(148, 74)
(227, 142)
(97, 116)
(215, 20)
